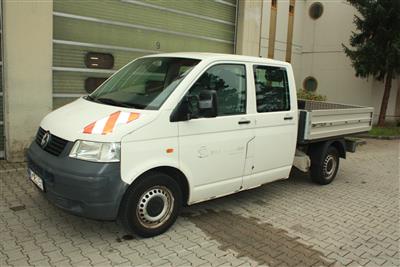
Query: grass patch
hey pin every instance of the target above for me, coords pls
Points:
(385, 131)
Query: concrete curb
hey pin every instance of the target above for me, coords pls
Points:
(395, 137)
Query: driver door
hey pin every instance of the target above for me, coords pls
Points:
(212, 150)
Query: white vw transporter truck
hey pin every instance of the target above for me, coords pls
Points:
(175, 129)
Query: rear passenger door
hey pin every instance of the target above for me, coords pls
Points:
(275, 127)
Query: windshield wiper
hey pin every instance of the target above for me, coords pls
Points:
(113, 102)
(90, 98)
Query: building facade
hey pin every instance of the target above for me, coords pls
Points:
(57, 50)
(319, 29)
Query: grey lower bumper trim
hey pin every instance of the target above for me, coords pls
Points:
(89, 189)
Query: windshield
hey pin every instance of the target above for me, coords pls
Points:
(145, 83)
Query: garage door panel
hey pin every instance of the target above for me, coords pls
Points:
(1, 141)
(1, 110)
(152, 18)
(2, 138)
(209, 8)
(72, 56)
(1, 115)
(128, 29)
(72, 82)
(98, 33)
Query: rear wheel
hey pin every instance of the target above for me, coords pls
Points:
(152, 205)
(324, 165)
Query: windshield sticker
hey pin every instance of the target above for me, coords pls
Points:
(107, 124)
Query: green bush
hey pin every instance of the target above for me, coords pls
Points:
(385, 131)
(304, 94)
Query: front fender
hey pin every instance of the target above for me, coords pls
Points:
(140, 156)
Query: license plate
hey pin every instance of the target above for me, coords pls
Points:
(36, 180)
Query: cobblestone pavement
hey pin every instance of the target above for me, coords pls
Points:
(354, 221)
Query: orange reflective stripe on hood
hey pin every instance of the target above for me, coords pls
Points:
(107, 124)
(112, 119)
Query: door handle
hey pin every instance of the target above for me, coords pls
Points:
(288, 118)
(244, 122)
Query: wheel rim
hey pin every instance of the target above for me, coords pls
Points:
(155, 206)
(330, 165)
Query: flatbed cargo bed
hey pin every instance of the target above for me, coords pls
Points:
(324, 120)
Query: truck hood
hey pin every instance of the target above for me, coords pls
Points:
(86, 120)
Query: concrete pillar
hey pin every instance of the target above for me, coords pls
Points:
(28, 34)
(249, 28)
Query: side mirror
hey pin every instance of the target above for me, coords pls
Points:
(205, 105)
(208, 103)
(181, 112)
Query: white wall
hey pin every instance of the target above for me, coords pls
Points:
(249, 23)
(28, 34)
(324, 59)
(317, 51)
(281, 30)
(266, 13)
(297, 47)
(323, 56)
(251, 42)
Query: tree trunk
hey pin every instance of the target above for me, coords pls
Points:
(385, 100)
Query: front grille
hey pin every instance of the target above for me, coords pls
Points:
(55, 145)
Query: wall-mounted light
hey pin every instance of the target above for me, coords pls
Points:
(96, 60)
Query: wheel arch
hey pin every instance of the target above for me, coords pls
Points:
(317, 153)
(174, 173)
(339, 144)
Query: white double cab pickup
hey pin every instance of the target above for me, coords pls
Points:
(175, 129)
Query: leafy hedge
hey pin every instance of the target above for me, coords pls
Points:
(304, 94)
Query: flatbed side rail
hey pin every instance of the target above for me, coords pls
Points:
(342, 120)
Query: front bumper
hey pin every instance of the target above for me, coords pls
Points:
(89, 189)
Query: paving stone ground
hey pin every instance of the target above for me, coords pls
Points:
(353, 221)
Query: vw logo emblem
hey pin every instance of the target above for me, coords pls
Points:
(45, 139)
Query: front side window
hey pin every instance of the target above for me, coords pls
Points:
(228, 81)
(272, 89)
(145, 83)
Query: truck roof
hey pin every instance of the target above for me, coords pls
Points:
(218, 56)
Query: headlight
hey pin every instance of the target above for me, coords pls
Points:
(95, 151)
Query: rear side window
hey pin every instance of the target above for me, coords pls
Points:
(272, 88)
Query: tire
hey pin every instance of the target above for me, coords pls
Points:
(324, 165)
(151, 205)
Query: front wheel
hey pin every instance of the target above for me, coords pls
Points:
(152, 205)
(324, 165)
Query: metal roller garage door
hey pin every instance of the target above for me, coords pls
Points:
(2, 139)
(126, 29)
